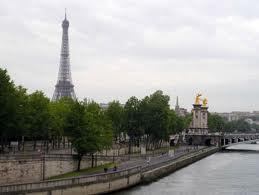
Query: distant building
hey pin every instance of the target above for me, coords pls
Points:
(180, 111)
(106, 105)
(229, 116)
(237, 115)
(249, 117)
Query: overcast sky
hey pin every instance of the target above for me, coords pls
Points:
(121, 48)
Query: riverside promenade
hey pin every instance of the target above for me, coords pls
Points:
(138, 172)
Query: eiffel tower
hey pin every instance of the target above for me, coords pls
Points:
(64, 86)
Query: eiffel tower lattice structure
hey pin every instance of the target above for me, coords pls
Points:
(64, 86)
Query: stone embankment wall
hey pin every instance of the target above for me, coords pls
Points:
(12, 170)
(58, 166)
(36, 168)
(104, 183)
(164, 170)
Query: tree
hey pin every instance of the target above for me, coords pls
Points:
(172, 122)
(100, 123)
(21, 120)
(216, 123)
(115, 113)
(132, 120)
(7, 102)
(238, 126)
(14, 109)
(76, 125)
(39, 116)
(183, 122)
(180, 124)
(88, 131)
(156, 117)
(59, 111)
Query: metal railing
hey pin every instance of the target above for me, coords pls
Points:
(59, 183)
(103, 177)
(186, 152)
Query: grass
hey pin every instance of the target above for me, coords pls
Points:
(83, 171)
(101, 167)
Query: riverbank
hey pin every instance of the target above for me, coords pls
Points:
(169, 168)
(222, 173)
(104, 183)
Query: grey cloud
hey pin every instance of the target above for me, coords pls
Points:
(130, 47)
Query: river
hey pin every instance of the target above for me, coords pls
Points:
(220, 173)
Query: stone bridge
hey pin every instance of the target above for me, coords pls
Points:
(219, 139)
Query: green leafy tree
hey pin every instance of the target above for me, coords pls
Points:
(76, 125)
(102, 125)
(21, 120)
(115, 113)
(7, 102)
(238, 126)
(88, 131)
(172, 122)
(39, 116)
(132, 121)
(182, 123)
(59, 111)
(14, 109)
(156, 117)
(216, 123)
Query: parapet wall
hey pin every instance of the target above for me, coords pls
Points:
(12, 171)
(104, 183)
(164, 170)
(37, 168)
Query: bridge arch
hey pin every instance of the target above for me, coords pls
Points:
(208, 142)
(190, 141)
(227, 141)
(222, 142)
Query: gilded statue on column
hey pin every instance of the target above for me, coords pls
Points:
(198, 98)
(205, 102)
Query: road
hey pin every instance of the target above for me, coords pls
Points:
(150, 160)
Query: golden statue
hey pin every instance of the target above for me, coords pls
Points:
(204, 102)
(198, 98)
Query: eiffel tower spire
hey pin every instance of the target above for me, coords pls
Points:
(64, 86)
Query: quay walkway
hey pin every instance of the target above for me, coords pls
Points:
(138, 172)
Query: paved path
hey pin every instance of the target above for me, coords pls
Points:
(150, 160)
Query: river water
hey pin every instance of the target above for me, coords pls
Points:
(220, 173)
